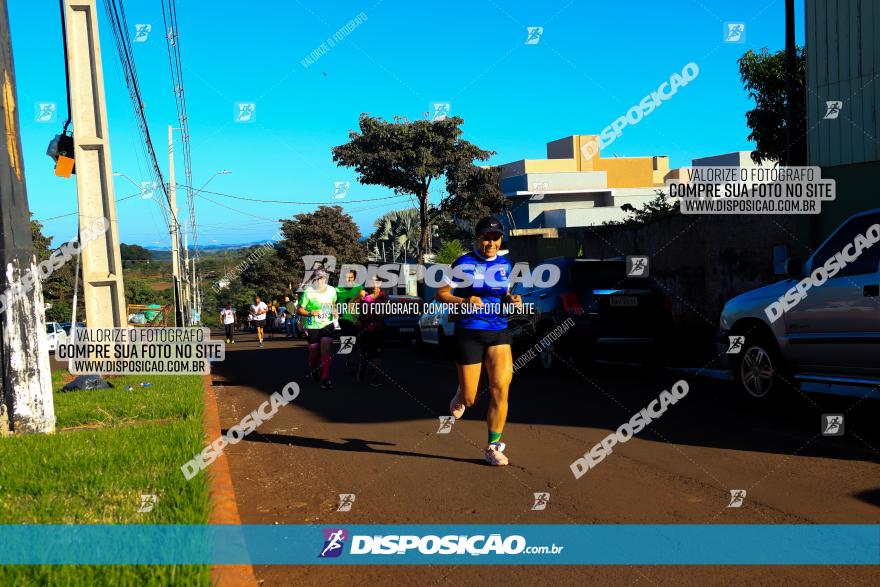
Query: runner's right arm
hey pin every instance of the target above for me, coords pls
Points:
(303, 302)
(445, 295)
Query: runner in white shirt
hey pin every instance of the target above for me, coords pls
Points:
(258, 311)
(227, 319)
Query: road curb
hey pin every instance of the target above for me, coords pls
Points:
(224, 509)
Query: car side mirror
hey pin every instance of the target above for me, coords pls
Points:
(794, 267)
(780, 255)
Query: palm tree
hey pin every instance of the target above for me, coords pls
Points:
(400, 230)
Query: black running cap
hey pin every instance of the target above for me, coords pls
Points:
(489, 224)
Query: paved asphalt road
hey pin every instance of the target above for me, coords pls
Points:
(381, 444)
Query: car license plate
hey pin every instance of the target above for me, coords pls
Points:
(627, 301)
(407, 329)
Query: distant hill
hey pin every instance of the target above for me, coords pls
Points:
(134, 253)
(206, 249)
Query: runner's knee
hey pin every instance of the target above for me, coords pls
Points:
(499, 389)
(469, 395)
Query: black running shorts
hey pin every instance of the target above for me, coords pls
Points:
(348, 327)
(471, 345)
(315, 335)
(372, 343)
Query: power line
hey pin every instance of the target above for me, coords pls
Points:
(172, 43)
(66, 66)
(119, 28)
(235, 209)
(298, 202)
(77, 211)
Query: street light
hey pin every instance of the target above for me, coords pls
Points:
(133, 182)
(196, 256)
(204, 185)
(145, 193)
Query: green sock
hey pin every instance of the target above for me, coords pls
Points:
(494, 437)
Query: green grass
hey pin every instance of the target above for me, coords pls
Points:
(112, 445)
(168, 397)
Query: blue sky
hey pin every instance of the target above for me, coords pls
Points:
(594, 61)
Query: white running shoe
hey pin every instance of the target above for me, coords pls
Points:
(456, 406)
(495, 454)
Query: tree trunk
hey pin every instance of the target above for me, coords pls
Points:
(425, 236)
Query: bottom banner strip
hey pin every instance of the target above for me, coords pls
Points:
(483, 544)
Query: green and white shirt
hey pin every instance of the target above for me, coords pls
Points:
(324, 301)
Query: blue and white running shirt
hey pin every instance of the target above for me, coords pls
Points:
(490, 281)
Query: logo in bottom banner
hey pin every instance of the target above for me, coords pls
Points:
(334, 541)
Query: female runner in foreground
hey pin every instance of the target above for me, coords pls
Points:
(481, 331)
(318, 303)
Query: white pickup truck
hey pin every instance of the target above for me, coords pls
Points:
(56, 335)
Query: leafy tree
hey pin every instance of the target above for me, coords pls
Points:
(407, 157)
(657, 209)
(266, 274)
(763, 75)
(42, 243)
(326, 231)
(61, 311)
(138, 291)
(475, 192)
(57, 287)
(449, 252)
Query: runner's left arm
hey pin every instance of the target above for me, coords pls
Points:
(509, 297)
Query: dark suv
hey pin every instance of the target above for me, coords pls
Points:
(615, 317)
(403, 322)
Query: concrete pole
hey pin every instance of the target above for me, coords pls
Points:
(75, 294)
(197, 296)
(26, 384)
(187, 286)
(175, 254)
(101, 261)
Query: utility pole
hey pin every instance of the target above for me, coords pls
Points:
(101, 260)
(187, 285)
(790, 73)
(26, 403)
(175, 255)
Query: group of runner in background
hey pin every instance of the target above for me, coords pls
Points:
(481, 336)
(316, 310)
(320, 304)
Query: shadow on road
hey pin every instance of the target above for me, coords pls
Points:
(871, 496)
(350, 445)
(576, 401)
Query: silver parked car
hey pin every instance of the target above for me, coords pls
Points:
(828, 340)
(436, 328)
